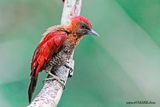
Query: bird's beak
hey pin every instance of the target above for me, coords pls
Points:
(92, 32)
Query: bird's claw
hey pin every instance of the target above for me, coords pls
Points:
(70, 70)
(54, 77)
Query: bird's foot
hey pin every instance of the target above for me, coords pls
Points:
(54, 77)
(70, 70)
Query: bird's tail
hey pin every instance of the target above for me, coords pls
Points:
(32, 85)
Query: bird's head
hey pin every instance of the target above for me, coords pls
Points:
(81, 26)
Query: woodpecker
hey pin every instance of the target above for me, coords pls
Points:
(56, 47)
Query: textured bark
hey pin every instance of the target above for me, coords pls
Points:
(52, 90)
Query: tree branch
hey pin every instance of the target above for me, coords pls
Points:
(52, 90)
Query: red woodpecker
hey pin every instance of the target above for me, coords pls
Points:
(57, 41)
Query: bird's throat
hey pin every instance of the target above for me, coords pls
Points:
(73, 40)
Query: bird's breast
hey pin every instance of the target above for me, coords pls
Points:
(61, 57)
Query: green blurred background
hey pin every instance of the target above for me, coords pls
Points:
(122, 65)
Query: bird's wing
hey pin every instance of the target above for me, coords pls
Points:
(50, 44)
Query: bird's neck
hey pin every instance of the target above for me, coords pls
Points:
(73, 40)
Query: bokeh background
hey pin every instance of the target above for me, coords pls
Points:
(122, 65)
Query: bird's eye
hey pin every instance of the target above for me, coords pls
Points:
(83, 26)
